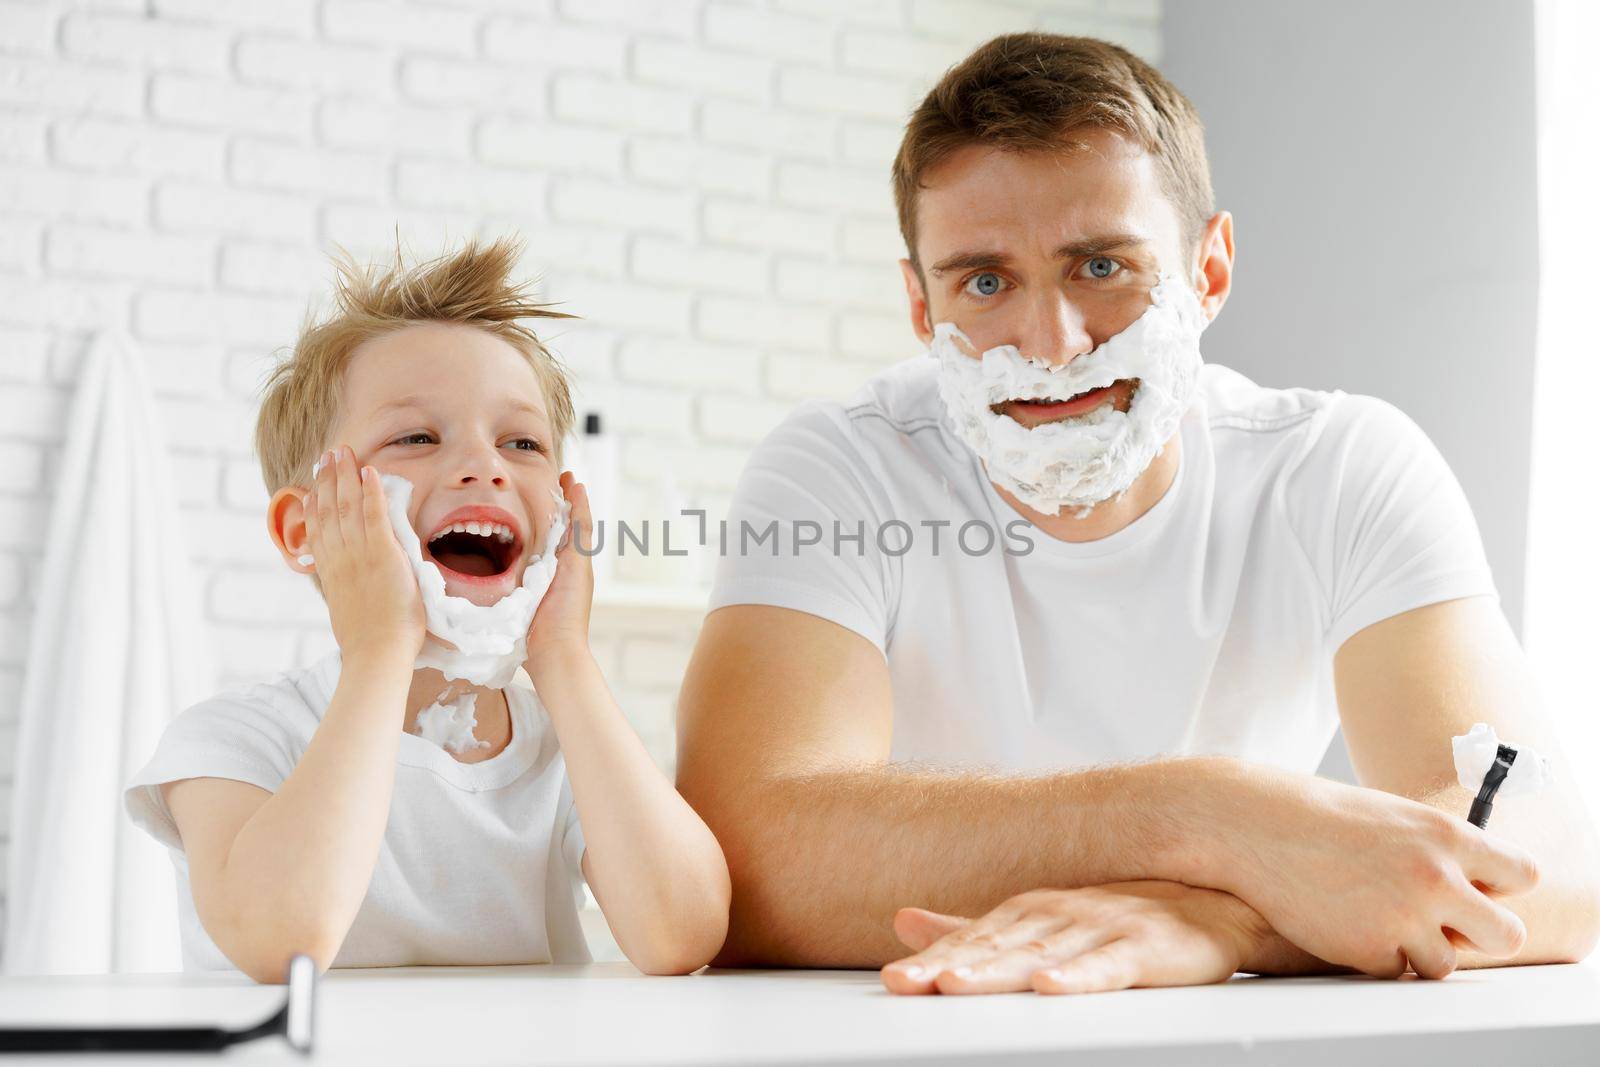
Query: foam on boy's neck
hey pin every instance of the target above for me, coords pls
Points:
(483, 644)
(450, 721)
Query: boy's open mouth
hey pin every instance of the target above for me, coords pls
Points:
(475, 544)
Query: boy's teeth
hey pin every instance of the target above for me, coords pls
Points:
(478, 529)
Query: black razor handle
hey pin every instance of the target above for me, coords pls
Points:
(1504, 757)
(115, 1039)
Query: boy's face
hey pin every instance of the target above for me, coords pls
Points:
(460, 414)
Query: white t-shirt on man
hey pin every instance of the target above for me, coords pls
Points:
(1208, 625)
(479, 862)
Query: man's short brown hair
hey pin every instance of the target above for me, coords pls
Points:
(1027, 92)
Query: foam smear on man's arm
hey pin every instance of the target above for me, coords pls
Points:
(1475, 754)
(1488, 767)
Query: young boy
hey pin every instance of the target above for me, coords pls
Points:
(305, 813)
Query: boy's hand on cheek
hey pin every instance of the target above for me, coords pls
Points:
(373, 601)
(561, 625)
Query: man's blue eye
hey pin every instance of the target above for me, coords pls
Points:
(1102, 266)
(985, 284)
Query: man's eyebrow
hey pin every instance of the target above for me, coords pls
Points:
(1094, 246)
(1089, 246)
(969, 261)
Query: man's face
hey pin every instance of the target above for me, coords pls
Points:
(1054, 252)
(459, 413)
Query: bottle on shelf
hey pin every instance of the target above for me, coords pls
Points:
(594, 462)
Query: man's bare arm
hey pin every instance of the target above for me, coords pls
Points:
(785, 723)
(1406, 686)
(786, 759)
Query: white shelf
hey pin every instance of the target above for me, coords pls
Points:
(683, 599)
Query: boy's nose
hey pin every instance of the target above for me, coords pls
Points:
(481, 464)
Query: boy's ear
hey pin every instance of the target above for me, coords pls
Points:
(286, 522)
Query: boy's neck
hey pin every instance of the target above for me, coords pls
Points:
(493, 715)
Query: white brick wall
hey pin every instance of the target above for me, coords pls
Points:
(705, 181)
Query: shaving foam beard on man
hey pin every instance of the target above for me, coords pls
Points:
(1081, 461)
(482, 644)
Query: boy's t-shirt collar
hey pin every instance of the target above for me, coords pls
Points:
(529, 725)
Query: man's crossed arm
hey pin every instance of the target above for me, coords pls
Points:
(1256, 869)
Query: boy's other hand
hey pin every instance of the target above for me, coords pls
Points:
(561, 625)
(374, 604)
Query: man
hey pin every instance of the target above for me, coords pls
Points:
(1096, 732)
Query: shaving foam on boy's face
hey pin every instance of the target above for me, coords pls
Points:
(466, 641)
(479, 643)
(1092, 451)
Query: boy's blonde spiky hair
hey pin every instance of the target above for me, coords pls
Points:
(472, 287)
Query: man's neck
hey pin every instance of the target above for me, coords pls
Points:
(1109, 516)
(493, 714)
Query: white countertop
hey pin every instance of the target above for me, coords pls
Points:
(610, 1014)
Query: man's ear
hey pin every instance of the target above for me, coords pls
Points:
(1215, 269)
(286, 523)
(917, 302)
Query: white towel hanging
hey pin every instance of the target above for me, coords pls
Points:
(116, 648)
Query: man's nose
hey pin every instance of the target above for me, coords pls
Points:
(1057, 331)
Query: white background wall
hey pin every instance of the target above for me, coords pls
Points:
(705, 181)
(1563, 579)
(1379, 159)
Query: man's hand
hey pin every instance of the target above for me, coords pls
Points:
(1087, 940)
(373, 599)
(1367, 879)
(561, 624)
(1406, 686)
